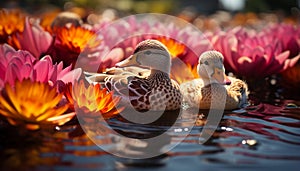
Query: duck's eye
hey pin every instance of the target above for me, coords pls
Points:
(206, 63)
(221, 60)
(148, 52)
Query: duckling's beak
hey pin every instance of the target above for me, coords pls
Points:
(220, 76)
(131, 61)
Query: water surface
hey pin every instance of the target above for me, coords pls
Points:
(264, 136)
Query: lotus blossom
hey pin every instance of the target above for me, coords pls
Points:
(36, 106)
(184, 42)
(288, 34)
(175, 48)
(93, 100)
(33, 39)
(291, 76)
(118, 41)
(70, 42)
(47, 19)
(10, 22)
(18, 65)
(181, 72)
(195, 41)
(252, 54)
(114, 33)
(115, 44)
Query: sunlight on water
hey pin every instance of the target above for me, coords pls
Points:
(262, 136)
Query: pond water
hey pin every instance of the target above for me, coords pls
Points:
(264, 136)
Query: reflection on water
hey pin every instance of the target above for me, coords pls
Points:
(263, 136)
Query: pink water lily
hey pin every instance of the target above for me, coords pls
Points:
(251, 53)
(114, 33)
(18, 65)
(115, 45)
(98, 58)
(195, 41)
(288, 34)
(125, 34)
(33, 39)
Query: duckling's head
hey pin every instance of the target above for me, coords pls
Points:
(211, 69)
(151, 54)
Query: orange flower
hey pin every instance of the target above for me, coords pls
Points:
(291, 76)
(182, 72)
(245, 19)
(47, 19)
(10, 22)
(92, 99)
(76, 38)
(175, 48)
(31, 104)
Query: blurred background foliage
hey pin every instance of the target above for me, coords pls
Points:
(199, 7)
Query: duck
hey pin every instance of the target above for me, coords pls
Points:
(143, 79)
(214, 89)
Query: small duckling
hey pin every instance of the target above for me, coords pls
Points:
(213, 86)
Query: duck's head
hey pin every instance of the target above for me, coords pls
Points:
(211, 69)
(151, 54)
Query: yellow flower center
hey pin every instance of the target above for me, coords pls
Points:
(175, 48)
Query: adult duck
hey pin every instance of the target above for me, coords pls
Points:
(143, 79)
(214, 89)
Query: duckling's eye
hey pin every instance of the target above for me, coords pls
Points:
(221, 60)
(206, 63)
(148, 52)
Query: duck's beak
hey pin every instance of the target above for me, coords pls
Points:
(131, 61)
(220, 76)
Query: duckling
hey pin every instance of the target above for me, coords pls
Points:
(214, 86)
(143, 80)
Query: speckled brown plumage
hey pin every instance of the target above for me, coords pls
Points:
(150, 89)
(155, 92)
(200, 96)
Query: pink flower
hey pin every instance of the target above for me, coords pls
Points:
(116, 45)
(115, 33)
(288, 34)
(12, 61)
(98, 58)
(18, 65)
(251, 53)
(195, 41)
(124, 35)
(33, 39)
